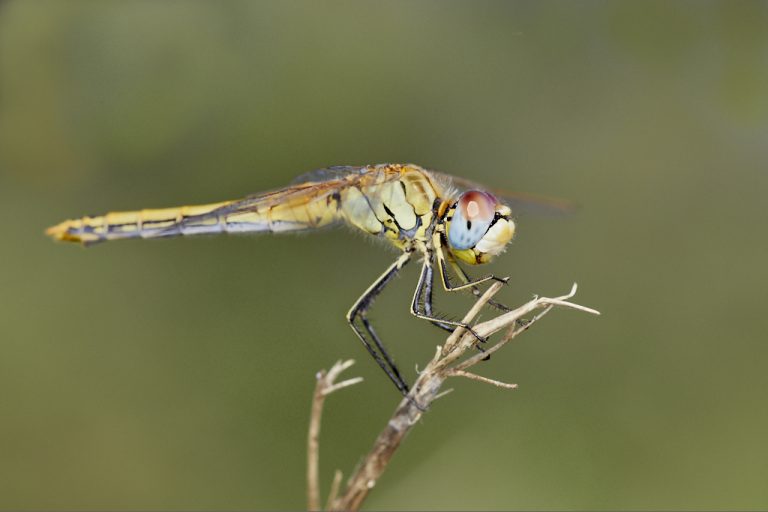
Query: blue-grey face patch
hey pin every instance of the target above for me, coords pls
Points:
(465, 234)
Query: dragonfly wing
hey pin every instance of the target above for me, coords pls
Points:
(520, 202)
(314, 200)
(336, 172)
(297, 208)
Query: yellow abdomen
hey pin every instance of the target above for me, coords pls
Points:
(389, 200)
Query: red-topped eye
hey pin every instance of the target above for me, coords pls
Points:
(473, 216)
(476, 206)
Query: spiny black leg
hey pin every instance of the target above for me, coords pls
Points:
(359, 310)
(482, 351)
(390, 370)
(428, 310)
(474, 288)
(467, 283)
(415, 307)
(402, 386)
(428, 283)
(380, 346)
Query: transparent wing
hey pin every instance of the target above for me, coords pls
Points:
(310, 186)
(313, 200)
(314, 203)
(520, 202)
(330, 174)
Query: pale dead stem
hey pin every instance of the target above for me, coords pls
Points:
(326, 384)
(447, 362)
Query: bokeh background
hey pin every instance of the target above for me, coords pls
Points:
(177, 374)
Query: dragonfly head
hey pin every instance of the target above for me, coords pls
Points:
(479, 227)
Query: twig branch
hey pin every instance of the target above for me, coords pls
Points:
(326, 384)
(447, 362)
(480, 378)
(335, 486)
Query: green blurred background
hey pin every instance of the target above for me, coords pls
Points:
(177, 374)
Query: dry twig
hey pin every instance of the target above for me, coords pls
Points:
(447, 362)
(326, 384)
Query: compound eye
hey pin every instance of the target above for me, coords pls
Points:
(473, 216)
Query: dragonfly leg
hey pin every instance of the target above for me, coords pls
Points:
(473, 286)
(427, 304)
(438, 243)
(427, 308)
(419, 312)
(359, 311)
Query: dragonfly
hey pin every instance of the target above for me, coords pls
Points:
(446, 220)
